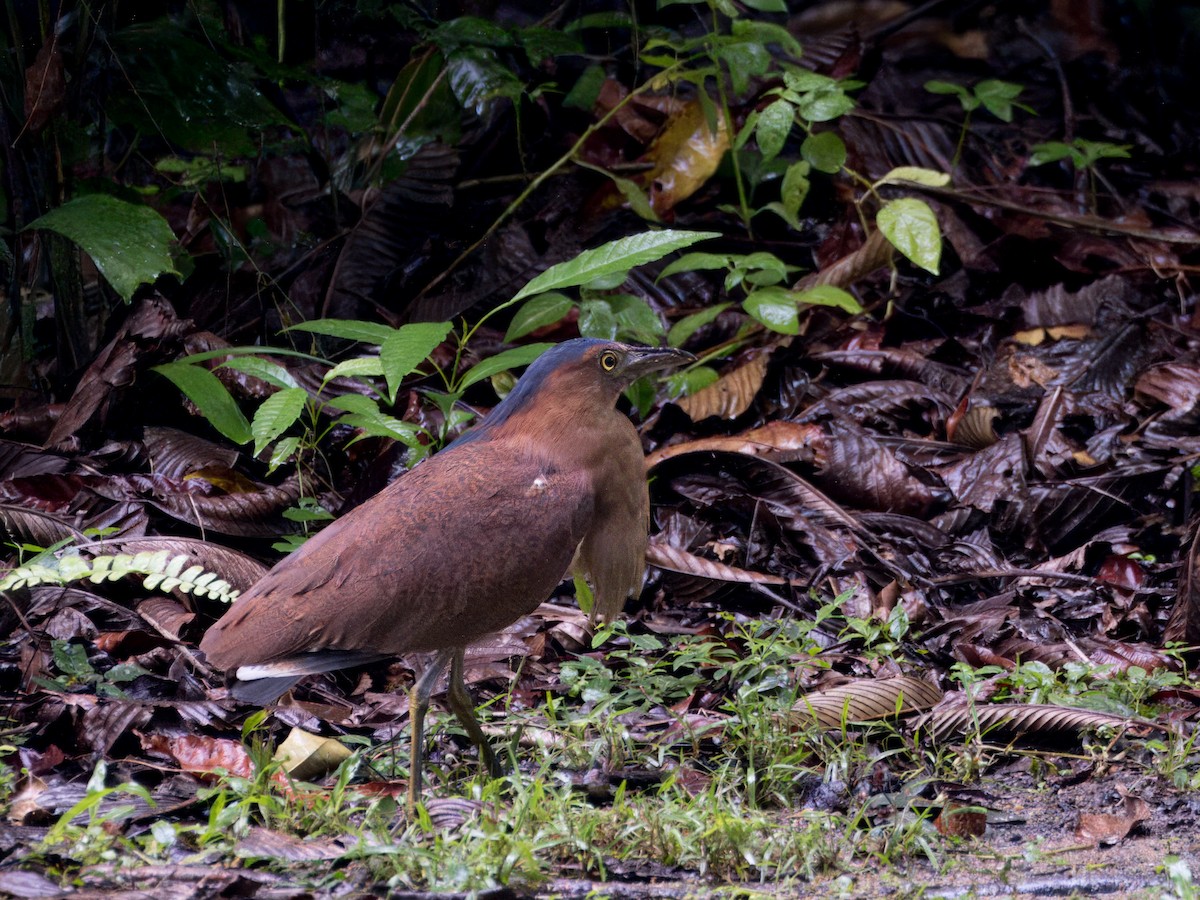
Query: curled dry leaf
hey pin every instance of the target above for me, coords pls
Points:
(730, 395)
(1103, 829)
(777, 437)
(673, 559)
(873, 255)
(165, 615)
(864, 700)
(975, 427)
(1003, 721)
(263, 843)
(306, 756)
(203, 755)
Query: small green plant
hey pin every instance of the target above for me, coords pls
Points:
(997, 97)
(1082, 154)
(76, 670)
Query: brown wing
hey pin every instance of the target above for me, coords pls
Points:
(465, 544)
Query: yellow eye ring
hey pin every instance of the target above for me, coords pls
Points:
(608, 360)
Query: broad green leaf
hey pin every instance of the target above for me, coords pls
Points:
(912, 228)
(587, 88)
(968, 100)
(997, 97)
(359, 367)
(916, 175)
(635, 319)
(355, 403)
(774, 307)
(215, 403)
(695, 262)
(509, 359)
(689, 325)
(802, 80)
(71, 659)
(538, 312)
(1052, 151)
(686, 383)
(276, 415)
(825, 104)
(616, 256)
(794, 189)
(406, 348)
(828, 295)
(744, 60)
(377, 424)
(774, 126)
(597, 320)
(824, 151)
(129, 243)
(347, 329)
(270, 372)
(284, 449)
(480, 79)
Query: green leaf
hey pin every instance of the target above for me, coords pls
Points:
(408, 347)
(359, 367)
(276, 415)
(767, 33)
(283, 450)
(509, 359)
(802, 81)
(635, 319)
(695, 262)
(347, 329)
(597, 320)
(968, 100)
(824, 151)
(794, 189)
(1051, 151)
(744, 60)
(686, 383)
(538, 312)
(587, 88)
(215, 403)
(774, 126)
(774, 307)
(72, 659)
(916, 175)
(828, 295)
(997, 97)
(377, 424)
(129, 243)
(355, 403)
(689, 325)
(270, 372)
(775, 6)
(825, 104)
(912, 228)
(616, 256)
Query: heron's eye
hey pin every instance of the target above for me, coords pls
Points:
(608, 360)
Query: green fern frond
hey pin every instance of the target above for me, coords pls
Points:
(163, 572)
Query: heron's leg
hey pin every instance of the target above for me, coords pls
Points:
(418, 705)
(464, 708)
